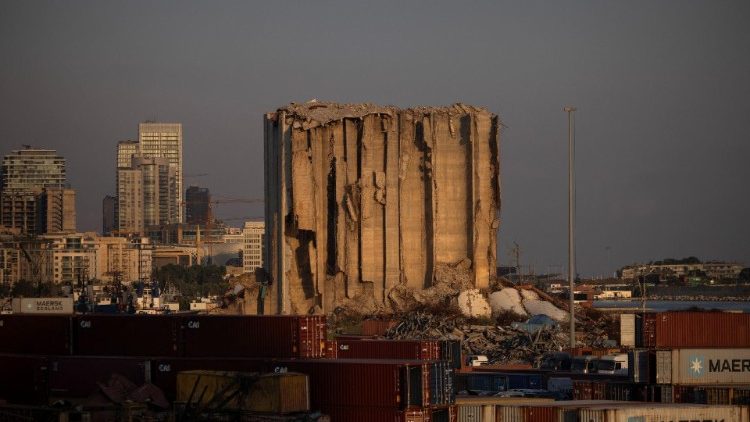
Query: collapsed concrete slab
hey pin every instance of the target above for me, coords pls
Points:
(362, 199)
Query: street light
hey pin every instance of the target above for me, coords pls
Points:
(571, 220)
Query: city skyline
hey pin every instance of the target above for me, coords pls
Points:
(661, 91)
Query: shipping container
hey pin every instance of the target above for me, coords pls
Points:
(450, 350)
(268, 393)
(508, 414)
(582, 390)
(164, 371)
(540, 414)
(254, 336)
(43, 305)
(647, 334)
(385, 349)
(652, 412)
(441, 384)
(470, 413)
(598, 390)
(376, 414)
(126, 335)
(627, 330)
(35, 334)
(663, 366)
(392, 384)
(705, 366)
(481, 382)
(444, 414)
(331, 349)
(23, 379)
(376, 327)
(641, 366)
(701, 330)
(79, 376)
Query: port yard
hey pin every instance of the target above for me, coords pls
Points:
(204, 367)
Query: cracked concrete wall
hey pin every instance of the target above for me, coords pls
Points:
(363, 198)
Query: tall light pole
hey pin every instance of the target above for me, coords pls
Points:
(571, 220)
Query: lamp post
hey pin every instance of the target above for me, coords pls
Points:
(571, 220)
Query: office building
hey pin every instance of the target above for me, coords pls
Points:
(159, 183)
(198, 206)
(24, 175)
(129, 201)
(164, 140)
(56, 211)
(252, 252)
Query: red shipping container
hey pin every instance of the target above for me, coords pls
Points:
(702, 329)
(126, 335)
(391, 384)
(254, 336)
(582, 390)
(598, 390)
(332, 349)
(376, 327)
(35, 334)
(77, 376)
(376, 414)
(23, 379)
(388, 349)
(540, 414)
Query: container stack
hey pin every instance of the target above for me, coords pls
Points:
(690, 357)
(365, 380)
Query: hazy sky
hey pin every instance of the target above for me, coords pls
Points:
(662, 88)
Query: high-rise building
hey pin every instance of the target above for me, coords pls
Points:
(252, 252)
(125, 152)
(198, 206)
(56, 211)
(159, 200)
(24, 175)
(109, 204)
(129, 201)
(145, 195)
(164, 140)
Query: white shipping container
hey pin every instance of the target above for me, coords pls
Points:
(469, 413)
(646, 412)
(664, 367)
(706, 366)
(43, 305)
(509, 414)
(627, 330)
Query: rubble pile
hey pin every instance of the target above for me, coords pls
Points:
(500, 343)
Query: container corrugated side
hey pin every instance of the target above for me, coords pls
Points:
(78, 376)
(126, 335)
(470, 413)
(376, 327)
(35, 334)
(254, 336)
(710, 366)
(664, 367)
(509, 414)
(375, 414)
(646, 413)
(641, 366)
(627, 330)
(388, 349)
(164, 371)
(702, 329)
(365, 383)
(441, 384)
(23, 379)
(269, 393)
(541, 414)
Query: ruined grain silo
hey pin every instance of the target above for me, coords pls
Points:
(361, 199)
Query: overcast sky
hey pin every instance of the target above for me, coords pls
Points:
(662, 88)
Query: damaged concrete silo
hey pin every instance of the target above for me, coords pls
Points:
(362, 199)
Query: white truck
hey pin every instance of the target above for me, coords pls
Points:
(616, 364)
